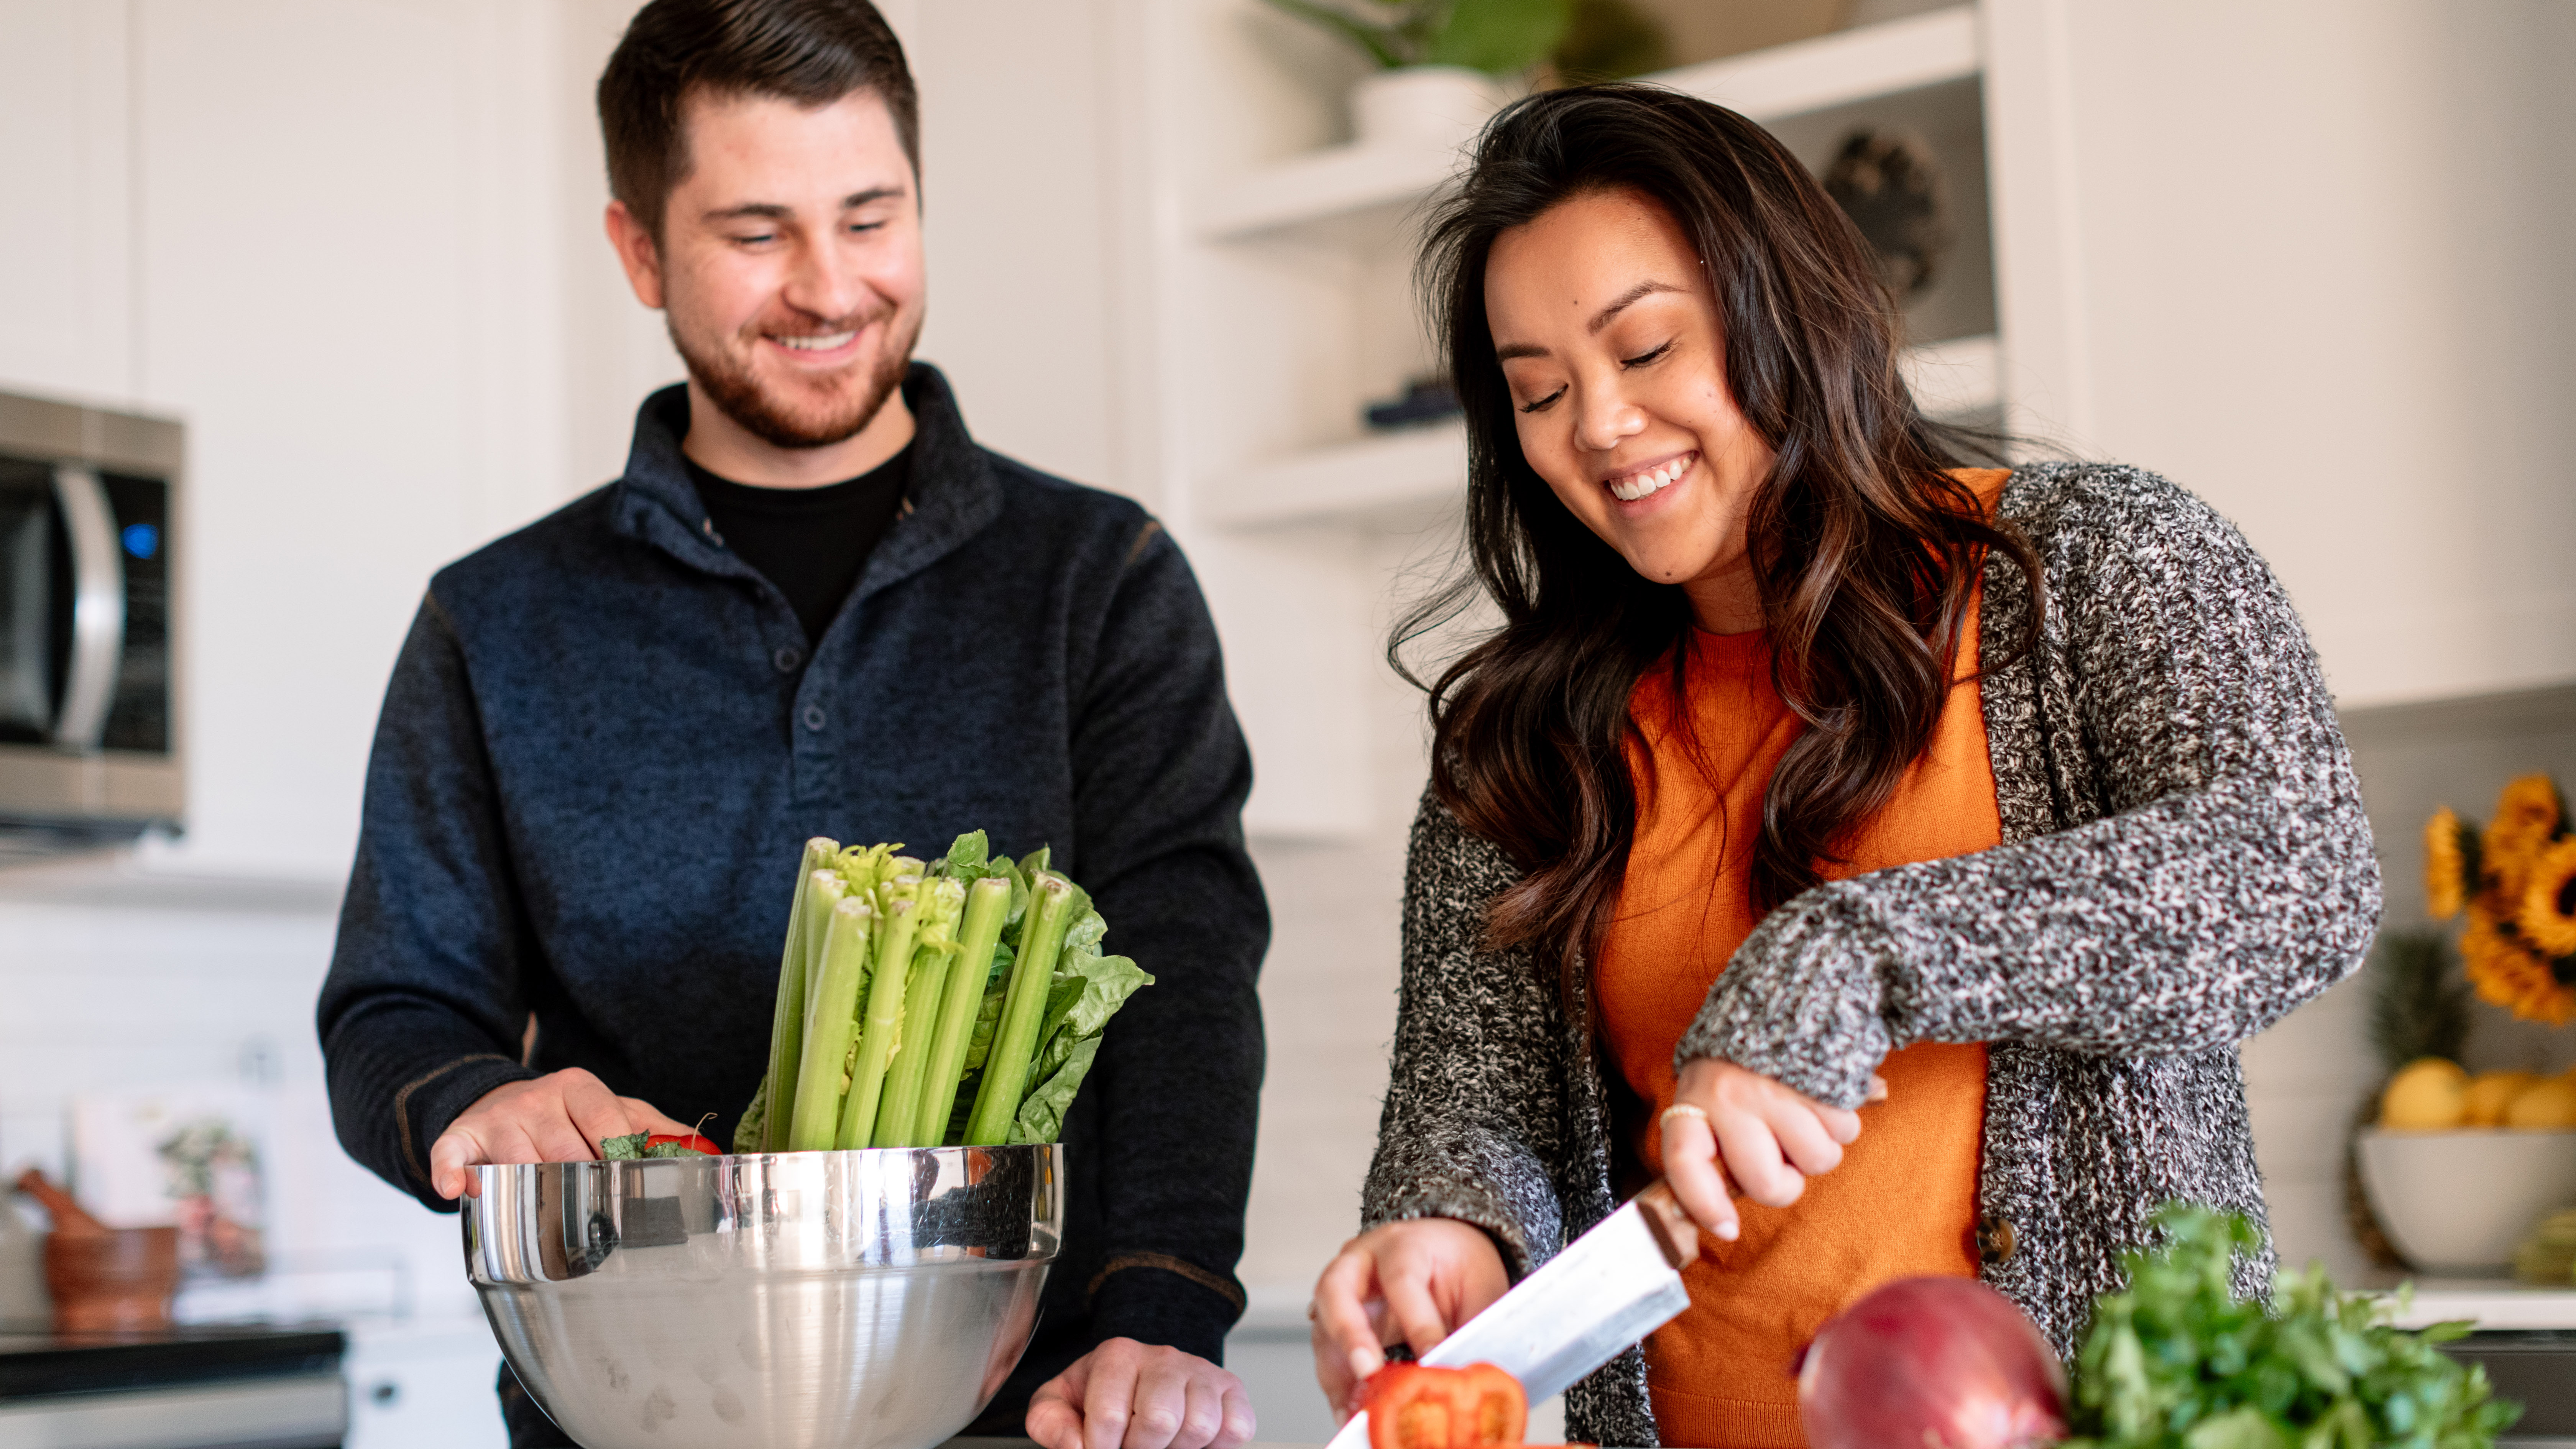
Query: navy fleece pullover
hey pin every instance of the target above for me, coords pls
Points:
(605, 744)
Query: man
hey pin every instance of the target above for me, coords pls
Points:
(811, 606)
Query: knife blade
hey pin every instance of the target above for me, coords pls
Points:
(1610, 1287)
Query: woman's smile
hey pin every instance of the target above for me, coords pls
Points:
(1640, 482)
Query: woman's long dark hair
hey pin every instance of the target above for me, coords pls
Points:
(1865, 549)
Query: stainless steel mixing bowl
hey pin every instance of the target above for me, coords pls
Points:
(803, 1300)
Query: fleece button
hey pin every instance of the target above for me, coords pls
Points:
(813, 716)
(786, 659)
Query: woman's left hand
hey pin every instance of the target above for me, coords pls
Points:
(1767, 1137)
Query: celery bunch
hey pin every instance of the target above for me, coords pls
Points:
(923, 1004)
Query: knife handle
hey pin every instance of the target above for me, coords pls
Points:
(1673, 1230)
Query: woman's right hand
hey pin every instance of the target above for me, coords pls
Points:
(1423, 1277)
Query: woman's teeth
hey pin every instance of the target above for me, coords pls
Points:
(1650, 482)
(824, 343)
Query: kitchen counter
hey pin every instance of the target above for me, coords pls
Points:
(2494, 1304)
(250, 1387)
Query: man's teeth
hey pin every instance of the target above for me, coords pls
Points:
(1646, 484)
(824, 343)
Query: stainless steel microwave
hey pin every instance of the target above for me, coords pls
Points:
(89, 636)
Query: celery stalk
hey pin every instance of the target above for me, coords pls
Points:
(830, 1021)
(933, 956)
(825, 889)
(787, 1026)
(902, 913)
(1006, 1069)
(988, 909)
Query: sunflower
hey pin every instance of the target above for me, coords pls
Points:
(2528, 815)
(2508, 973)
(2548, 916)
(2450, 863)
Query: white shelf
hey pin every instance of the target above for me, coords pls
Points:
(1834, 70)
(1783, 80)
(1397, 477)
(1405, 479)
(1320, 186)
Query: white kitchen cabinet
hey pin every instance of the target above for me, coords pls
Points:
(425, 1384)
(67, 317)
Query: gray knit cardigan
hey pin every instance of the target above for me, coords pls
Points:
(2185, 859)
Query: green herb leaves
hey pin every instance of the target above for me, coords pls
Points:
(2178, 1362)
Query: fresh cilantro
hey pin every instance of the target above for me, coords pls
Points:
(623, 1149)
(2179, 1362)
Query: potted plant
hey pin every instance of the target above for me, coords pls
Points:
(1443, 65)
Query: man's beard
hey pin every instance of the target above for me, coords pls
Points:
(729, 384)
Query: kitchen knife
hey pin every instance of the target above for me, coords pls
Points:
(1608, 1289)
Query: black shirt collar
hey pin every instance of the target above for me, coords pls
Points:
(953, 494)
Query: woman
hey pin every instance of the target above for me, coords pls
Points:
(1910, 845)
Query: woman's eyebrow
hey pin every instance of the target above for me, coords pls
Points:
(1644, 289)
(1599, 320)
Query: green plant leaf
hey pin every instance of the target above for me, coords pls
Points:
(1041, 1117)
(1500, 37)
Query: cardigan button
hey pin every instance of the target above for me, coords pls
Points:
(787, 658)
(1994, 1239)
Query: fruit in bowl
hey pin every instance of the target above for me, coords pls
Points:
(2460, 1167)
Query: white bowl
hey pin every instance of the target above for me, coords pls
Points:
(2460, 1202)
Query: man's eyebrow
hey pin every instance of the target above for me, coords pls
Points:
(1602, 318)
(775, 211)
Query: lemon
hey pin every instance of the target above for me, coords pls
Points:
(2549, 1104)
(2427, 1094)
(2490, 1093)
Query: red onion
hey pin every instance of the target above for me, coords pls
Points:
(1931, 1363)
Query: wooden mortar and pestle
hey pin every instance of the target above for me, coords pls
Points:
(103, 1279)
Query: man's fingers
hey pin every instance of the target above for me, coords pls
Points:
(452, 1159)
(1752, 1158)
(1111, 1386)
(1240, 1424)
(1203, 1416)
(1159, 1404)
(1877, 1088)
(1053, 1419)
(594, 1111)
(1690, 1167)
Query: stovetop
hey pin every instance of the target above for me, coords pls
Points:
(36, 1361)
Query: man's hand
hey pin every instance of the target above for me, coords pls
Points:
(560, 1117)
(1420, 1278)
(1766, 1137)
(1130, 1395)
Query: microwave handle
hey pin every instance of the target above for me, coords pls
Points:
(98, 608)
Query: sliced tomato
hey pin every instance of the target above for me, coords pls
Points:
(691, 1141)
(1411, 1406)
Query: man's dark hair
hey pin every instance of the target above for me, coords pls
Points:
(811, 52)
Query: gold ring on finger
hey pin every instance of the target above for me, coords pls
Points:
(1682, 1109)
